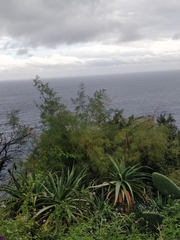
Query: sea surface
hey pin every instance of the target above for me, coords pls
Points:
(138, 94)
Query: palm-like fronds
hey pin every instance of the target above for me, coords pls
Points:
(55, 199)
(23, 188)
(124, 183)
(61, 199)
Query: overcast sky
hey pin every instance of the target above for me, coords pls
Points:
(54, 38)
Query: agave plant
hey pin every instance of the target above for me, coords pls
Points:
(22, 190)
(61, 201)
(124, 183)
(51, 199)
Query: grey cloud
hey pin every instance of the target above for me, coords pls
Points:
(50, 23)
(22, 51)
(130, 33)
(155, 19)
(176, 36)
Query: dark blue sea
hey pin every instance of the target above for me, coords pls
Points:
(138, 94)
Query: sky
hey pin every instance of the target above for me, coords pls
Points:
(57, 38)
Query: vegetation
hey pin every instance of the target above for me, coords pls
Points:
(165, 185)
(124, 183)
(13, 137)
(89, 174)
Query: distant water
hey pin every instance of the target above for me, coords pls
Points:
(138, 94)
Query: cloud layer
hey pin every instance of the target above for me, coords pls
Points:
(50, 23)
(87, 33)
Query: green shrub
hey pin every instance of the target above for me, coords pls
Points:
(91, 130)
(170, 228)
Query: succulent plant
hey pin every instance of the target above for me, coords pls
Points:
(166, 186)
(153, 219)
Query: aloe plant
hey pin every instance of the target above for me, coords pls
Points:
(52, 199)
(61, 201)
(124, 183)
(22, 190)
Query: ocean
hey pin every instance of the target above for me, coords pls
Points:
(138, 94)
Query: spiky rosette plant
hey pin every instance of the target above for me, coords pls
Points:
(124, 184)
(22, 191)
(54, 200)
(62, 201)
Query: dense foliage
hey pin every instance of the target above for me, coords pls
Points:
(87, 134)
(88, 175)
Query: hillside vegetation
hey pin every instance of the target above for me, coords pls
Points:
(91, 173)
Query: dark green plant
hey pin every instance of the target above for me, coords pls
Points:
(175, 177)
(153, 219)
(50, 104)
(55, 199)
(91, 130)
(124, 184)
(170, 225)
(149, 144)
(163, 120)
(125, 227)
(23, 191)
(19, 228)
(165, 185)
(101, 210)
(62, 201)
